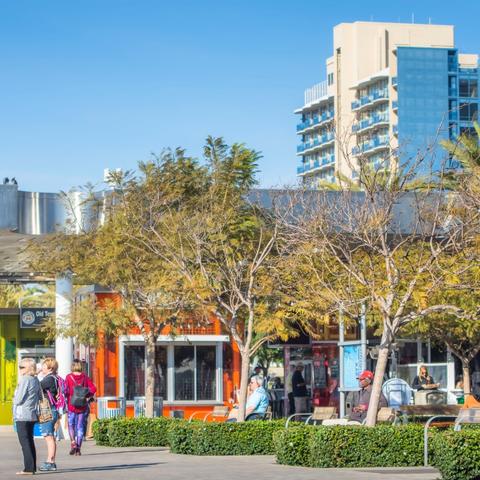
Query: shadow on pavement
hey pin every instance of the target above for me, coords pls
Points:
(100, 468)
(396, 471)
(115, 452)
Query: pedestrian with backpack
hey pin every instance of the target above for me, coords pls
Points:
(79, 389)
(53, 396)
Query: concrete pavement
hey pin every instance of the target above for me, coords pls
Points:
(146, 463)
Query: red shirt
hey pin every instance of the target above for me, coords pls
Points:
(78, 380)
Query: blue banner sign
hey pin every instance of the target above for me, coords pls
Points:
(352, 366)
(35, 317)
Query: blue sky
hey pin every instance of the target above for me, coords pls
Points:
(92, 84)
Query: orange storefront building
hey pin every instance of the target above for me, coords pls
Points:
(195, 370)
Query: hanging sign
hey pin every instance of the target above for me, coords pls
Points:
(35, 317)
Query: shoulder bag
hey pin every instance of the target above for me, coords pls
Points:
(44, 409)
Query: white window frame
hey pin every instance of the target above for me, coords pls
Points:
(170, 342)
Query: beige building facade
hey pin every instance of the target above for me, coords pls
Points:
(387, 85)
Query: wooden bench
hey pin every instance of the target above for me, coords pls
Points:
(464, 416)
(319, 414)
(218, 412)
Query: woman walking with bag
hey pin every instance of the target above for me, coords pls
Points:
(51, 391)
(25, 402)
(79, 388)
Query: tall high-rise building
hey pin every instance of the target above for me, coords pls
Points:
(392, 92)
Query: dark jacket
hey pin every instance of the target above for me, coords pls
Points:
(297, 389)
(419, 382)
(362, 397)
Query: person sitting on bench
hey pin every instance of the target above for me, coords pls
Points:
(361, 399)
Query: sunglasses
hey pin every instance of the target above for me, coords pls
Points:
(21, 367)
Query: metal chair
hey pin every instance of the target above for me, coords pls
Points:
(397, 392)
(268, 415)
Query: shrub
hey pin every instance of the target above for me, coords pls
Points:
(180, 436)
(247, 438)
(139, 432)
(100, 430)
(351, 446)
(382, 446)
(457, 454)
(292, 445)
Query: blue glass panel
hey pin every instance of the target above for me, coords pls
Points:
(423, 104)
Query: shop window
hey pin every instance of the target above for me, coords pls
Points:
(161, 371)
(134, 371)
(184, 372)
(206, 373)
(408, 353)
(195, 373)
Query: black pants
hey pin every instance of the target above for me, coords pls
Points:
(291, 404)
(25, 437)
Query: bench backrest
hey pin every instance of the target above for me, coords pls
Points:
(469, 415)
(386, 414)
(220, 411)
(324, 413)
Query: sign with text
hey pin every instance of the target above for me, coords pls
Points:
(352, 366)
(35, 317)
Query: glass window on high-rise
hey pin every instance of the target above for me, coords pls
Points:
(424, 87)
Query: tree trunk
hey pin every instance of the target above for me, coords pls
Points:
(466, 376)
(244, 379)
(377, 384)
(149, 374)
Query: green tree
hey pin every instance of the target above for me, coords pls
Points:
(378, 247)
(111, 254)
(223, 246)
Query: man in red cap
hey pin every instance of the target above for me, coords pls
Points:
(361, 399)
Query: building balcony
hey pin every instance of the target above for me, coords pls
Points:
(395, 130)
(373, 145)
(368, 100)
(318, 143)
(320, 164)
(394, 82)
(395, 105)
(468, 71)
(370, 122)
(317, 120)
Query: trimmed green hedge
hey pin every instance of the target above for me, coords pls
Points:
(139, 432)
(292, 446)
(350, 446)
(100, 430)
(247, 438)
(457, 454)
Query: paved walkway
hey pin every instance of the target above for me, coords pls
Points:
(146, 463)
